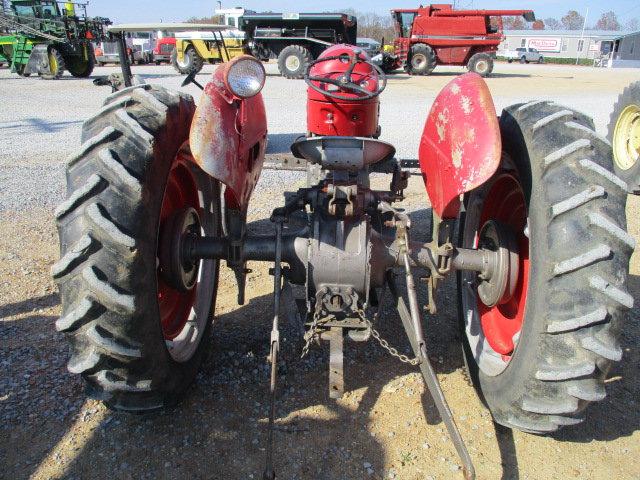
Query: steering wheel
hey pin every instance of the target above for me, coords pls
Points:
(345, 81)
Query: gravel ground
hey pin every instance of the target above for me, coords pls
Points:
(378, 430)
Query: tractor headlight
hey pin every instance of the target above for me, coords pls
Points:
(245, 76)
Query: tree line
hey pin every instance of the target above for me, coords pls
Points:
(379, 27)
(573, 20)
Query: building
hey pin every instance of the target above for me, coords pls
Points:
(604, 47)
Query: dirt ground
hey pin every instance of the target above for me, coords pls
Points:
(385, 427)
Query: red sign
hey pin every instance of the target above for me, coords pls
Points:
(545, 44)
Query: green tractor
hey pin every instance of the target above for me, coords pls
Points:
(47, 37)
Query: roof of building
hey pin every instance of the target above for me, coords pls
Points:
(599, 34)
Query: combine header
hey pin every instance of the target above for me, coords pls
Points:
(439, 35)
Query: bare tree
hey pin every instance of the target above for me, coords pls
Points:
(608, 21)
(514, 23)
(372, 25)
(538, 25)
(552, 23)
(572, 20)
(632, 25)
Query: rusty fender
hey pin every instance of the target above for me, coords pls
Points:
(460, 148)
(228, 139)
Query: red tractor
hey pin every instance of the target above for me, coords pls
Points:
(526, 212)
(439, 35)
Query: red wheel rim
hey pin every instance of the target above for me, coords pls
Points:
(181, 191)
(505, 202)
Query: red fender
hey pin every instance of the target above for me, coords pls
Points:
(228, 139)
(460, 147)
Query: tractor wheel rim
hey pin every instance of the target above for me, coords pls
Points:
(53, 63)
(177, 308)
(418, 60)
(626, 138)
(495, 331)
(185, 62)
(481, 66)
(292, 63)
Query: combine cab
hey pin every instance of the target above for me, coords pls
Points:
(439, 35)
(48, 37)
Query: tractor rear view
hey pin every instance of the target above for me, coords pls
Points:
(159, 194)
(439, 35)
(48, 37)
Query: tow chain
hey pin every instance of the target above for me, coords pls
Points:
(316, 323)
(383, 343)
(313, 331)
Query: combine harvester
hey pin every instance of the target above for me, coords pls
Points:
(439, 35)
(527, 213)
(47, 37)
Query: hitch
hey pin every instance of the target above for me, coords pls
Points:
(341, 259)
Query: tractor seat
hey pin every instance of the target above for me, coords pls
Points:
(343, 153)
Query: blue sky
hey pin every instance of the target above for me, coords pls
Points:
(176, 10)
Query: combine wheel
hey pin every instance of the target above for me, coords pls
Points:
(624, 134)
(136, 338)
(293, 61)
(191, 62)
(422, 60)
(541, 356)
(56, 65)
(481, 63)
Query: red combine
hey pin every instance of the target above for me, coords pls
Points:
(439, 35)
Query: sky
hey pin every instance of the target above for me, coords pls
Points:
(127, 11)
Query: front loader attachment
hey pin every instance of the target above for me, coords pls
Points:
(460, 146)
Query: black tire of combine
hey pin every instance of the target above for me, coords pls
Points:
(303, 57)
(60, 65)
(193, 61)
(480, 63)
(630, 96)
(82, 68)
(108, 229)
(427, 57)
(579, 256)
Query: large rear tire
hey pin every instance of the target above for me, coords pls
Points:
(293, 61)
(137, 341)
(624, 135)
(540, 358)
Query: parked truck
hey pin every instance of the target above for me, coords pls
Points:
(296, 39)
(441, 35)
(48, 37)
(523, 55)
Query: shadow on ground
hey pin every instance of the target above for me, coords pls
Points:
(218, 431)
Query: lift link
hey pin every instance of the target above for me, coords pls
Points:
(269, 472)
(412, 323)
